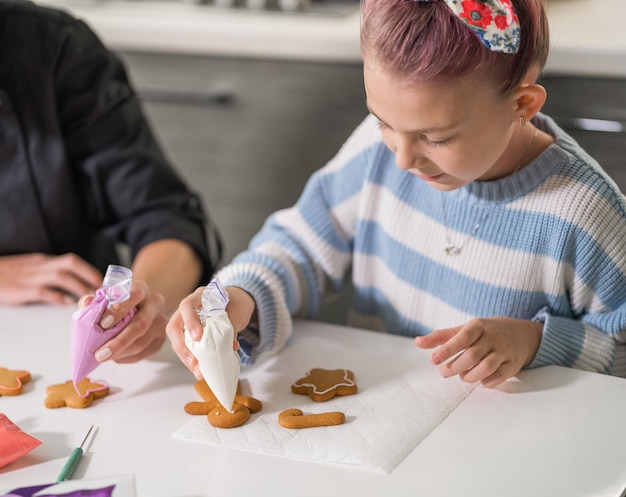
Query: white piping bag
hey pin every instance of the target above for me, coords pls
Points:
(218, 362)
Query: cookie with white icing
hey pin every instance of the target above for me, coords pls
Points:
(324, 384)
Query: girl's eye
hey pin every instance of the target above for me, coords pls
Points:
(381, 125)
(435, 143)
(430, 143)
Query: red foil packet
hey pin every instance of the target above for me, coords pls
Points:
(14, 442)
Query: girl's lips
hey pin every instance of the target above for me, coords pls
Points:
(429, 178)
(423, 177)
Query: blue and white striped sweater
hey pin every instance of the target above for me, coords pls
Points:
(550, 247)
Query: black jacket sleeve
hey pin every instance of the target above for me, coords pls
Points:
(96, 152)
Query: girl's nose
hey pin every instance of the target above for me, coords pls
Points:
(406, 155)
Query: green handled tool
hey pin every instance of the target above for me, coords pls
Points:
(74, 459)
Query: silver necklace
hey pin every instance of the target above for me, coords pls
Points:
(452, 248)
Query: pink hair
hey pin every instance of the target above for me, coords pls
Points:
(427, 42)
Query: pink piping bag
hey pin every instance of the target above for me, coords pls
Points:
(86, 335)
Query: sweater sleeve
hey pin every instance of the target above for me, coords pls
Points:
(591, 333)
(303, 253)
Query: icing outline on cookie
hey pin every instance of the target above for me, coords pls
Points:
(20, 376)
(349, 383)
(89, 391)
(66, 395)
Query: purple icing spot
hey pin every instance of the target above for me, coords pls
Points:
(26, 491)
(96, 492)
(30, 491)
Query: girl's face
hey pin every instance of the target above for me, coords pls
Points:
(447, 134)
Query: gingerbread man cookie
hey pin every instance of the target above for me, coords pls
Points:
(12, 381)
(217, 415)
(324, 384)
(65, 395)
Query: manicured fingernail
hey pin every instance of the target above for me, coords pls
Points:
(103, 354)
(83, 300)
(107, 321)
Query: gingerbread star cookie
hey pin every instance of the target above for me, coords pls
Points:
(217, 415)
(324, 384)
(12, 381)
(65, 395)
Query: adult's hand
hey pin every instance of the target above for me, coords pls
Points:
(46, 279)
(144, 334)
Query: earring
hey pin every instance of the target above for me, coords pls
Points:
(523, 121)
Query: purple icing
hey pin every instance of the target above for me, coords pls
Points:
(87, 336)
(26, 491)
(30, 491)
(96, 492)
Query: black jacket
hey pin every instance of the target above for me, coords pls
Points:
(80, 169)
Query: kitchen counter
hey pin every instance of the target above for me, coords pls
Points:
(185, 27)
(587, 35)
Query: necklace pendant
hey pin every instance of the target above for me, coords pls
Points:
(452, 249)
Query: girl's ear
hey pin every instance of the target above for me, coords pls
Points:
(529, 99)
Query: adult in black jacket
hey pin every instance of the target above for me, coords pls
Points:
(82, 173)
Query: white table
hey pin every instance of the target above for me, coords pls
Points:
(553, 432)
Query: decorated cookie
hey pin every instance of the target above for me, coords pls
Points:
(324, 384)
(12, 381)
(65, 395)
(295, 418)
(217, 415)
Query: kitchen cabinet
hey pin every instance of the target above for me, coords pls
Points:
(247, 133)
(593, 110)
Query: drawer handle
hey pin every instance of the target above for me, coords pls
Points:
(590, 124)
(212, 96)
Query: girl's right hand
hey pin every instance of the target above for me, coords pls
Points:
(240, 309)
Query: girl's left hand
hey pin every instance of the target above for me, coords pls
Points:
(487, 350)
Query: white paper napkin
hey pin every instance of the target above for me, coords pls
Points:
(401, 399)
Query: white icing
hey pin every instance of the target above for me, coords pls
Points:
(218, 362)
(348, 383)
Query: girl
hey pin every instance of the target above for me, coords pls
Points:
(464, 216)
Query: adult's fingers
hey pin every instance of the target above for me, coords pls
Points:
(70, 274)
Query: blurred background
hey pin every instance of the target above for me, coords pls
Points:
(249, 97)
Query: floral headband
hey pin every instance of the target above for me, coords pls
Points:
(494, 22)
